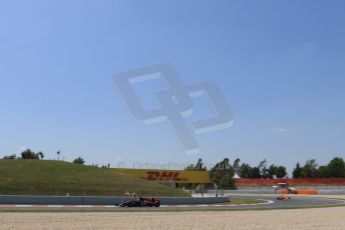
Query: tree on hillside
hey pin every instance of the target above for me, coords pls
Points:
(310, 169)
(336, 168)
(222, 174)
(245, 171)
(264, 173)
(297, 172)
(281, 172)
(236, 166)
(29, 154)
(199, 166)
(272, 171)
(226, 182)
(255, 173)
(79, 160)
(190, 167)
(323, 172)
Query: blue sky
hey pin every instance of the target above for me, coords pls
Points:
(280, 65)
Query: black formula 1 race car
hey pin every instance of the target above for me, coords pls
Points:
(140, 202)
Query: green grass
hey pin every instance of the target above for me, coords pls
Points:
(45, 177)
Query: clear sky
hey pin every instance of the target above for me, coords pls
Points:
(280, 64)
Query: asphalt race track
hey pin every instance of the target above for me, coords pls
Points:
(268, 202)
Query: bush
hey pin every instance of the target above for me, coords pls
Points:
(28, 154)
(79, 160)
(10, 157)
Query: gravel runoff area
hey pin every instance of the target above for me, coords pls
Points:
(314, 218)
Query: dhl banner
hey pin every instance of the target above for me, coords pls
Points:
(168, 176)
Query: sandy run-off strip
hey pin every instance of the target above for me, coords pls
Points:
(318, 218)
(312, 218)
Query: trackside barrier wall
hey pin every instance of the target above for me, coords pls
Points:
(292, 182)
(95, 200)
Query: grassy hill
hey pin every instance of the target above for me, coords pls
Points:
(44, 177)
